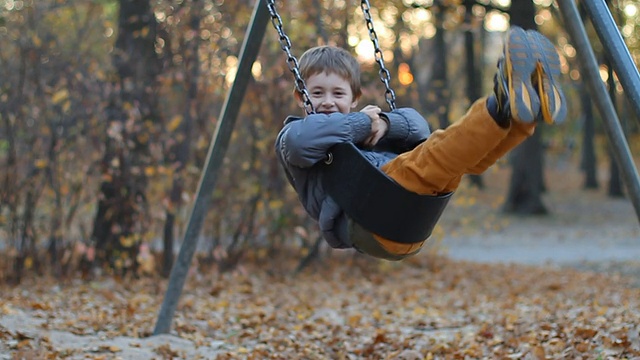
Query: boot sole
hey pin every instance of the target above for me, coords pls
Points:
(521, 61)
(552, 101)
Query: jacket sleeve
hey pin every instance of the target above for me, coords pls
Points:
(407, 128)
(306, 141)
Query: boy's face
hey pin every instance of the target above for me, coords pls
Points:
(330, 93)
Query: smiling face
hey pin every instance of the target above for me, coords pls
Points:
(330, 93)
(332, 78)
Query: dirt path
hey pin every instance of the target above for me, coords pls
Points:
(607, 231)
(587, 230)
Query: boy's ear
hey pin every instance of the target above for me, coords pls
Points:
(299, 99)
(354, 103)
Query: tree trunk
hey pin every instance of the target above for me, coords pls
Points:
(615, 180)
(473, 77)
(181, 152)
(440, 85)
(316, 13)
(118, 224)
(588, 145)
(526, 186)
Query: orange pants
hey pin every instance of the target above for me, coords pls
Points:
(469, 146)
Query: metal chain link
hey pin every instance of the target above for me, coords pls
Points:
(292, 61)
(385, 76)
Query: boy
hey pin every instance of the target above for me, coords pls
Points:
(524, 93)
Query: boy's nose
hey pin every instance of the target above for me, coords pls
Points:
(328, 102)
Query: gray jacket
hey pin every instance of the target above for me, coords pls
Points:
(303, 142)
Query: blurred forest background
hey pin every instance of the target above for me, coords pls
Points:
(107, 110)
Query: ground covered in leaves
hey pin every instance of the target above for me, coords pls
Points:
(346, 307)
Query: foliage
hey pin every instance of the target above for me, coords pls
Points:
(58, 78)
(51, 105)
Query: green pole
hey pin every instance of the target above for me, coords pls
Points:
(591, 73)
(615, 47)
(217, 149)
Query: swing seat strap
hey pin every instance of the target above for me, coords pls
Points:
(375, 201)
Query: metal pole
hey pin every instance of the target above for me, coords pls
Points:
(217, 149)
(591, 73)
(615, 47)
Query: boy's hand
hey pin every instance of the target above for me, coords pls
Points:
(379, 126)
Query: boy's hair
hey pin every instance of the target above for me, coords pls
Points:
(333, 60)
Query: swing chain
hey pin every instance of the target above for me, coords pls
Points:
(292, 61)
(385, 76)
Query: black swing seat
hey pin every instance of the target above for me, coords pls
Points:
(375, 201)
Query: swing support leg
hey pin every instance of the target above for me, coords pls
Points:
(220, 142)
(604, 25)
(616, 49)
(625, 69)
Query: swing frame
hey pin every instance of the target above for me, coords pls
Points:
(609, 36)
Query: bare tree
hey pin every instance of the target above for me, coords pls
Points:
(527, 185)
(119, 222)
(588, 162)
(180, 152)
